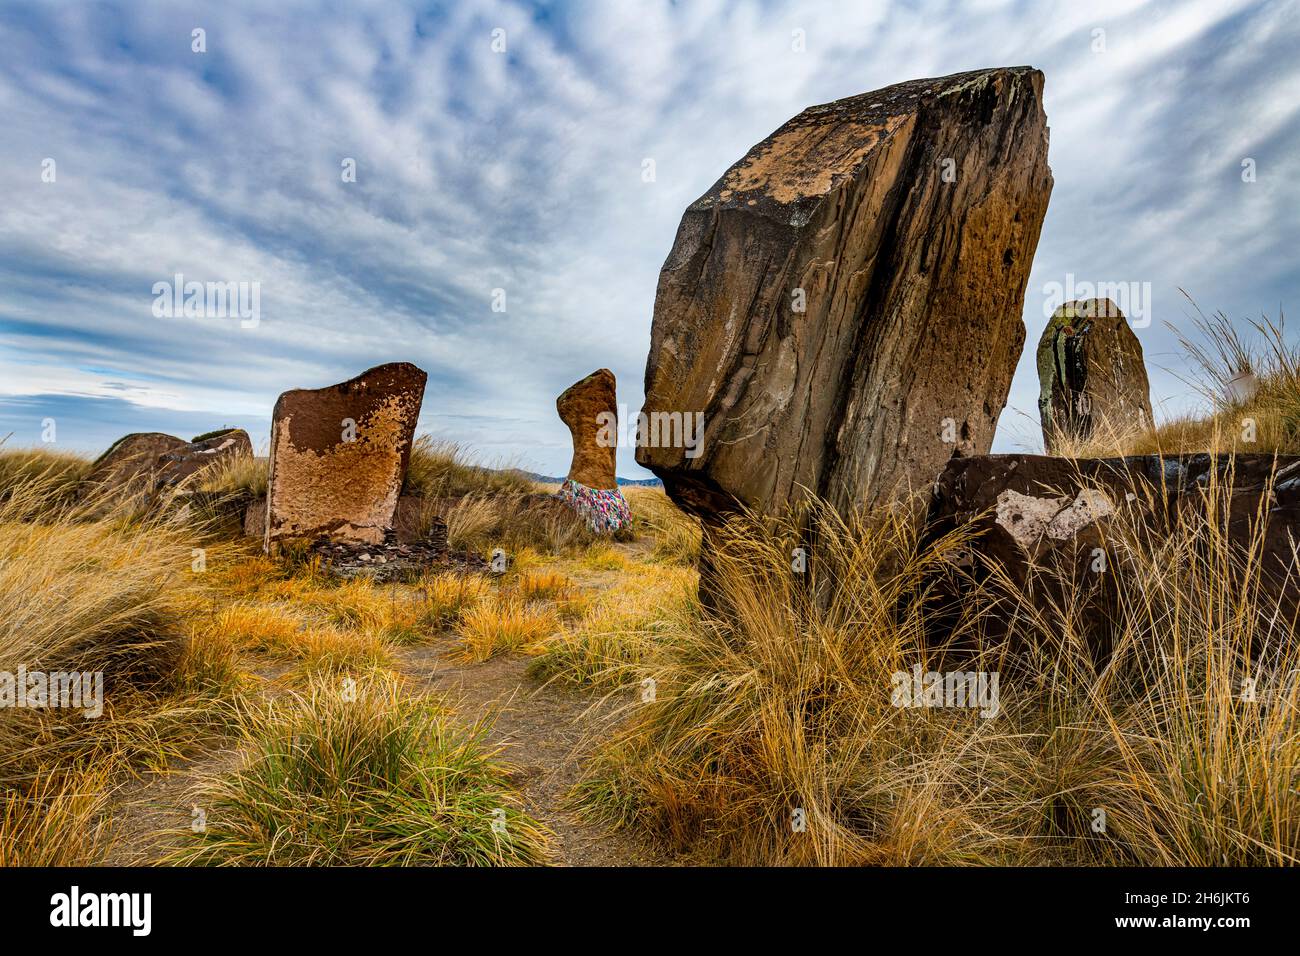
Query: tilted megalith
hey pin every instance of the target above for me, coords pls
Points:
(590, 408)
(339, 456)
(844, 305)
(1092, 380)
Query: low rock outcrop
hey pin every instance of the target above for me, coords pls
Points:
(1092, 380)
(131, 464)
(178, 464)
(339, 457)
(1051, 525)
(841, 311)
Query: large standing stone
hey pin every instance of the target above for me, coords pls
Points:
(178, 464)
(339, 456)
(1092, 380)
(844, 305)
(131, 463)
(590, 408)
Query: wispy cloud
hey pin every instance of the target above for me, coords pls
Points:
(522, 170)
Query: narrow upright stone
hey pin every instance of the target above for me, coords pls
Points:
(1092, 380)
(590, 408)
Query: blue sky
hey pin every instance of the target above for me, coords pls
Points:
(522, 170)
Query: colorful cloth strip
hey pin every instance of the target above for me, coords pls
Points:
(604, 511)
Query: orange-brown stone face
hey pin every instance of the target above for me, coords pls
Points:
(339, 456)
(585, 406)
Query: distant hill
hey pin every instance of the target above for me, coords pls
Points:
(551, 480)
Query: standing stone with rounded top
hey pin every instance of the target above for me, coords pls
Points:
(1092, 380)
(590, 408)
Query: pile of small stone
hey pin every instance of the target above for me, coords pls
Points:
(394, 560)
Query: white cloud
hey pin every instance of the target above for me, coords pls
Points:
(522, 170)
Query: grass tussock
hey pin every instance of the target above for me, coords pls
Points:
(85, 588)
(676, 535)
(246, 474)
(58, 820)
(367, 776)
(56, 473)
(614, 640)
(504, 625)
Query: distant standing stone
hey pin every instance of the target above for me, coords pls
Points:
(1092, 380)
(339, 456)
(590, 408)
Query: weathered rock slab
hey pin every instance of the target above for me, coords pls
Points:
(843, 307)
(339, 456)
(131, 463)
(1032, 513)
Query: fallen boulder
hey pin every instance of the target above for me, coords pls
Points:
(590, 408)
(131, 464)
(178, 464)
(1063, 531)
(1092, 380)
(339, 456)
(841, 311)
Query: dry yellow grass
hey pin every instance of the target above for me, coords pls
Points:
(609, 642)
(676, 535)
(770, 735)
(504, 625)
(543, 586)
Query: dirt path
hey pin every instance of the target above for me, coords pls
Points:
(544, 730)
(541, 729)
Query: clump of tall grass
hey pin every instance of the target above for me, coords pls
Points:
(366, 776)
(87, 587)
(59, 819)
(56, 472)
(613, 640)
(769, 737)
(246, 474)
(504, 625)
